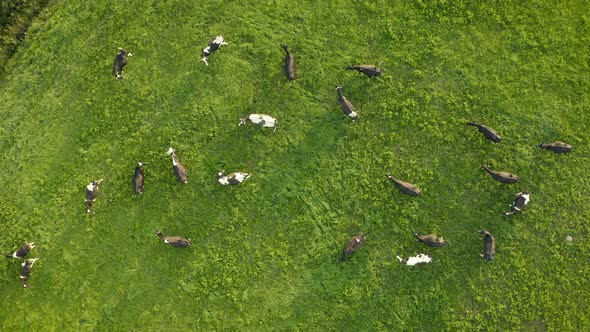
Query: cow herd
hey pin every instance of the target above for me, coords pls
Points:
(432, 240)
(355, 243)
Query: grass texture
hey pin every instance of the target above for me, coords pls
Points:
(265, 253)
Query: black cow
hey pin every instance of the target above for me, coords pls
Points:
(289, 64)
(120, 62)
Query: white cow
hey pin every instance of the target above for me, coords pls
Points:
(418, 259)
(260, 119)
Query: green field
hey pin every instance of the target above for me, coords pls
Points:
(264, 254)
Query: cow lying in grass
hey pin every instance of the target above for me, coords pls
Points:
(260, 119)
(213, 46)
(414, 260)
(232, 178)
(22, 251)
(175, 241)
(431, 240)
(520, 201)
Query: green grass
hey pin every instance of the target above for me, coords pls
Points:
(264, 254)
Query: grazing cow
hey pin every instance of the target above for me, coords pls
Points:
(175, 241)
(521, 200)
(346, 105)
(138, 178)
(177, 167)
(368, 70)
(557, 147)
(353, 245)
(232, 178)
(261, 119)
(22, 251)
(289, 64)
(414, 260)
(120, 62)
(488, 132)
(406, 187)
(430, 240)
(503, 177)
(489, 246)
(26, 271)
(91, 193)
(212, 47)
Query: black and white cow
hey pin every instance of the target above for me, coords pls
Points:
(346, 105)
(175, 241)
(91, 193)
(260, 119)
(232, 178)
(521, 200)
(120, 62)
(25, 272)
(177, 167)
(22, 251)
(138, 178)
(212, 47)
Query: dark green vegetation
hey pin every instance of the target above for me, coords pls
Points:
(15, 18)
(264, 254)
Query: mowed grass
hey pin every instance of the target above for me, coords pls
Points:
(265, 253)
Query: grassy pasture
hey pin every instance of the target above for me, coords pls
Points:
(264, 254)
